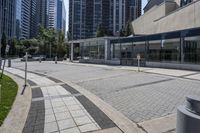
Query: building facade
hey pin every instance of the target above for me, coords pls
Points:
(168, 36)
(168, 16)
(18, 19)
(7, 18)
(56, 15)
(86, 16)
(25, 19)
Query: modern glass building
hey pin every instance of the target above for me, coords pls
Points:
(18, 19)
(56, 14)
(7, 18)
(25, 19)
(86, 16)
(177, 49)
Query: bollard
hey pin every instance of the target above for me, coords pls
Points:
(9, 62)
(40, 60)
(56, 58)
(188, 117)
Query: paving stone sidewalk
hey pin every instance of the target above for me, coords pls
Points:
(57, 107)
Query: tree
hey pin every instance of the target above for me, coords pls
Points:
(128, 31)
(60, 46)
(101, 32)
(13, 44)
(3, 44)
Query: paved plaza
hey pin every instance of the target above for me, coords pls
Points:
(140, 96)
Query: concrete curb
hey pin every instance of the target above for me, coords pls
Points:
(160, 125)
(15, 121)
(118, 118)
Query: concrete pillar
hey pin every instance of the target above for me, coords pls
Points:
(106, 50)
(72, 52)
(182, 49)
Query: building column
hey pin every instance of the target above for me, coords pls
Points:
(106, 51)
(72, 52)
(182, 49)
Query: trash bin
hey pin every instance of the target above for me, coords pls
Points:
(188, 117)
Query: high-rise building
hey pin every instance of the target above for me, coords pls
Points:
(57, 14)
(33, 18)
(18, 19)
(38, 16)
(7, 18)
(85, 16)
(25, 19)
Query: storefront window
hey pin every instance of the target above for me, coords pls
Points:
(116, 54)
(126, 50)
(191, 50)
(170, 50)
(154, 50)
(139, 48)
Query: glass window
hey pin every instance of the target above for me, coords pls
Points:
(126, 50)
(139, 48)
(116, 54)
(154, 50)
(170, 50)
(191, 50)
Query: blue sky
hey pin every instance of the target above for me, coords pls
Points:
(67, 8)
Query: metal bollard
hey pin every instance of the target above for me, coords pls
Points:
(56, 58)
(40, 60)
(188, 117)
(9, 62)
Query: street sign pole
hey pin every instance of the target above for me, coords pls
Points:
(25, 84)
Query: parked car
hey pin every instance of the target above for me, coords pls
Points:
(38, 57)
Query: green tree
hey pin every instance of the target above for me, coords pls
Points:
(101, 32)
(127, 30)
(13, 50)
(3, 44)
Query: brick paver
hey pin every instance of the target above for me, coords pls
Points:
(139, 96)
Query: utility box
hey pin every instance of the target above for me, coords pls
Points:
(188, 117)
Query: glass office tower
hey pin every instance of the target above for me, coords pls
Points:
(7, 18)
(18, 19)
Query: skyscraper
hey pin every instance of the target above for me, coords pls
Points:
(38, 16)
(25, 19)
(18, 19)
(57, 14)
(7, 18)
(85, 16)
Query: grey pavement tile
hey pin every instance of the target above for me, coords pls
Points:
(50, 127)
(50, 118)
(65, 124)
(70, 89)
(74, 107)
(71, 130)
(82, 120)
(54, 79)
(77, 113)
(62, 116)
(48, 111)
(101, 118)
(36, 92)
(88, 127)
(60, 109)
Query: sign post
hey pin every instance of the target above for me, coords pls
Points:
(26, 58)
(138, 59)
(4, 63)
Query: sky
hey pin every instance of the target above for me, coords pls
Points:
(67, 9)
